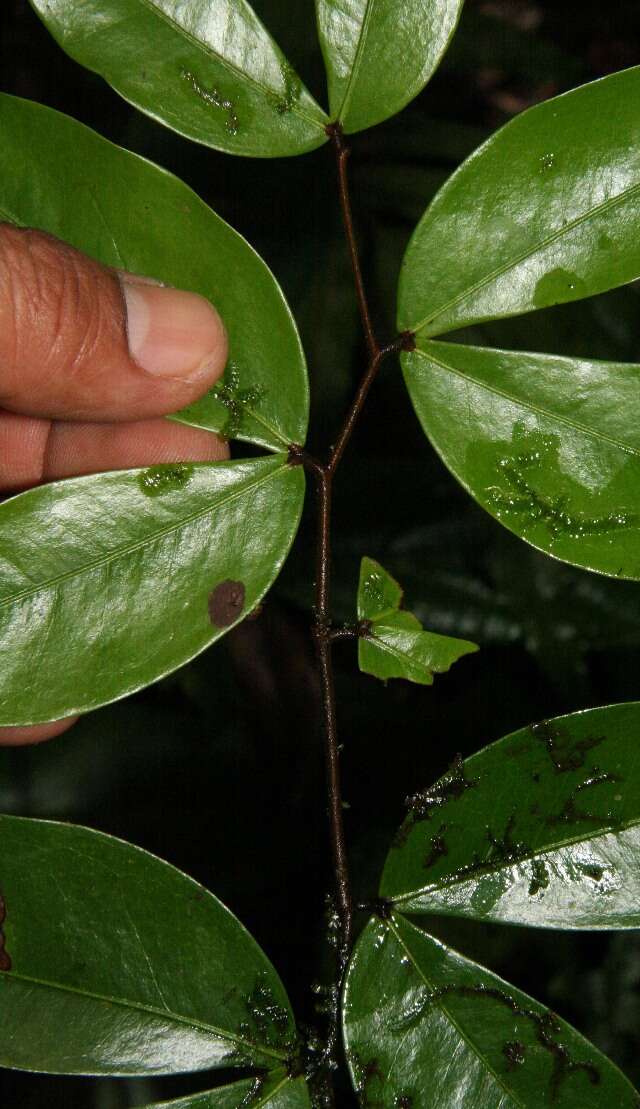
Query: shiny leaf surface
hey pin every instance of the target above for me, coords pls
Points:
(428, 1029)
(541, 828)
(209, 71)
(550, 446)
(547, 211)
(57, 175)
(276, 1091)
(379, 54)
(397, 646)
(109, 582)
(116, 963)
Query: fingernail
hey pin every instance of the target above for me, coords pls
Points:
(172, 333)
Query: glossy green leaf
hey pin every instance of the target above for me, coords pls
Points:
(274, 1091)
(426, 1028)
(547, 211)
(379, 54)
(57, 175)
(209, 71)
(116, 963)
(550, 446)
(541, 828)
(397, 646)
(108, 582)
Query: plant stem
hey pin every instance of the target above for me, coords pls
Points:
(324, 633)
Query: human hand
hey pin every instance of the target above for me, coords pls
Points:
(90, 362)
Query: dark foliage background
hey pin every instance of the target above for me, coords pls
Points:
(219, 769)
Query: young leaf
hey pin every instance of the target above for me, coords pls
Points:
(541, 828)
(273, 1091)
(548, 445)
(116, 963)
(547, 211)
(213, 74)
(379, 54)
(427, 1028)
(111, 581)
(57, 175)
(397, 646)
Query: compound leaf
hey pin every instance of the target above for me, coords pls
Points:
(396, 645)
(379, 54)
(210, 72)
(59, 176)
(550, 446)
(108, 582)
(541, 828)
(429, 1029)
(273, 1091)
(547, 211)
(116, 963)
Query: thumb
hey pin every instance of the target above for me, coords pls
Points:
(77, 341)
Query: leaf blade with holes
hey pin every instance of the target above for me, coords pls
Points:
(109, 582)
(562, 224)
(57, 175)
(396, 646)
(362, 41)
(540, 828)
(547, 445)
(138, 971)
(275, 1091)
(214, 76)
(424, 1026)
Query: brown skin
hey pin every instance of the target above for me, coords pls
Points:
(72, 399)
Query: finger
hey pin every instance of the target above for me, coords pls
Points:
(77, 341)
(37, 733)
(33, 450)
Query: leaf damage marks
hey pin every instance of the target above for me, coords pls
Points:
(235, 400)
(253, 1093)
(5, 958)
(226, 602)
(292, 89)
(450, 787)
(545, 1026)
(539, 878)
(517, 496)
(565, 752)
(437, 849)
(215, 99)
(572, 814)
(267, 1021)
(156, 481)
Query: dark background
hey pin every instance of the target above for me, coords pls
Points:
(218, 768)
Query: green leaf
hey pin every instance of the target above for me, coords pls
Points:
(541, 828)
(116, 963)
(212, 73)
(111, 581)
(547, 211)
(550, 446)
(427, 1028)
(379, 55)
(274, 1091)
(396, 645)
(57, 175)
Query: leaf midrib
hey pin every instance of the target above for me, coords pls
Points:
(129, 548)
(535, 853)
(151, 1010)
(441, 1004)
(357, 61)
(499, 271)
(229, 65)
(404, 657)
(525, 403)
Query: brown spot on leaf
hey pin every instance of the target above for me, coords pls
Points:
(5, 959)
(226, 602)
